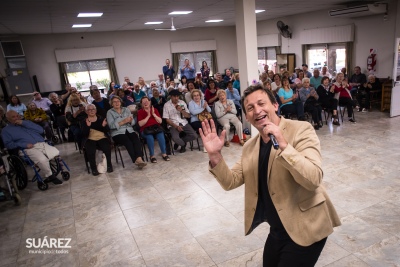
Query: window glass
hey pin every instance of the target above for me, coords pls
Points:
(333, 56)
(266, 56)
(196, 58)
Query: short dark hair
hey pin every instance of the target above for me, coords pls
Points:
(253, 88)
(324, 78)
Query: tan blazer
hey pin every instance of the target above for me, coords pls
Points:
(294, 183)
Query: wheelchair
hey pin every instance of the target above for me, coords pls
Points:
(10, 192)
(57, 165)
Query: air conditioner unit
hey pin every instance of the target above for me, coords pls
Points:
(359, 11)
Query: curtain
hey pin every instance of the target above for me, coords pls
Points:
(63, 75)
(214, 61)
(349, 56)
(113, 70)
(175, 63)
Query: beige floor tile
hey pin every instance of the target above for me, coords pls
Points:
(353, 200)
(331, 253)
(219, 194)
(251, 259)
(191, 202)
(384, 253)
(350, 261)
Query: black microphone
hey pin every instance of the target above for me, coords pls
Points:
(274, 141)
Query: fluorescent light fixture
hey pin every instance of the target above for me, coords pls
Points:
(179, 12)
(259, 10)
(214, 20)
(89, 15)
(153, 22)
(81, 25)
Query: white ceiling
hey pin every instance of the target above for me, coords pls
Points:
(57, 16)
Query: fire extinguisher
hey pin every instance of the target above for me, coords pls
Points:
(371, 62)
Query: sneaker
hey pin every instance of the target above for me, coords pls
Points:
(364, 110)
(352, 120)
(140, 163)
(56, 181)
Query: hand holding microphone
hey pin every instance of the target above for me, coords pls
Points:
(272, 137)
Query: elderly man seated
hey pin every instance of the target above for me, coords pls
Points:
(24, 134)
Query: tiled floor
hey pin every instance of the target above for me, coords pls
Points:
(175, 213)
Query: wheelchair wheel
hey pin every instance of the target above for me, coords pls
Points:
(55, 139)
(42, 186)
(18, 171)
(65, 176)
(17, 199)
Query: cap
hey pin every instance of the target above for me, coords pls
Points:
(117, 86)
(174, 92)
(305, 65)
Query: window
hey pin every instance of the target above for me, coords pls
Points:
(266, 56)
(331, 55)
(83, 74)
(196, 58)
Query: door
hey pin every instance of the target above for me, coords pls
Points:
(19, 81)
(395, 102)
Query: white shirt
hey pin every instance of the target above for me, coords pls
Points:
(171, 113)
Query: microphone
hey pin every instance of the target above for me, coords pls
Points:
(275, 143)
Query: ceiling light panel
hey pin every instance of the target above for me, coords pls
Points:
(180, 12)
(214, 20)
(89, 15)
(81, 25)
(153, 22)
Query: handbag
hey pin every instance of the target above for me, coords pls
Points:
(204, 115)
(153, 129)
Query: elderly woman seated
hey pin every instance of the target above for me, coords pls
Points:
(226, 114)
(75, 114)
(120, 121)
(94, 132)
(38, 116)
(149, 120)
(308, 95)
(196, 106)
(158, 101)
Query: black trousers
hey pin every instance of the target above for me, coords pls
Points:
(286, 253)
(91, 147)
(348, 103)
(315, 111)
(132, 144)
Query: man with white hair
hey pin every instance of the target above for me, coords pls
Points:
(24, 134)
(162, 87)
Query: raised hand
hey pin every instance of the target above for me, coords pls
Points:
(211, 141)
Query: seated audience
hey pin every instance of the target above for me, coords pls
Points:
(309, 97)
(94, 132)
(110, 89)
(211, 93)
(149, 120)
(75, 114)
(58, 110)
(271, 75)
(291, 104)
(176, 114)
(158, 101)
(183, 85)
(16, 105)
(137, 93)
(277, 83)
(102, 104)
(325, 72)
(327, 98)
(199, 84)
(233, 94)
(315, 80)
(41, 102)
(196, 106)
(144, 87)
(39, 117)
(121, 121)
(89, 99)
(226, 113)
(356, 80)
(305, 70)
(236, 83)
(219, 82)
(342, 88)
(126, 99)
(228, 76)
(364, 93)
(24, 134)
(160, 83)
(188, 95)
(3, 124)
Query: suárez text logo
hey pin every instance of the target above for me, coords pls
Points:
(48, 242)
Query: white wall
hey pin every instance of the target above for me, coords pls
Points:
(142, 53)
(137, 53)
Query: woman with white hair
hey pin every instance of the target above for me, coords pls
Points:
(225, 111)
(309, 97)
(364, 93)
(95, 136)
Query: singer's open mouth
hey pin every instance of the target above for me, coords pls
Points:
(260, 118)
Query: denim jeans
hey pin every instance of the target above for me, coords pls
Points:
(150, 142)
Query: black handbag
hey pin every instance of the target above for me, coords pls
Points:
(153, 129)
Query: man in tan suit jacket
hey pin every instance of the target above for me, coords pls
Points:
(283, 186)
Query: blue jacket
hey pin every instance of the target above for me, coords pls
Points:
(235, 96)
(19, 136)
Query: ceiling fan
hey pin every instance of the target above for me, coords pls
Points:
(172, 27)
